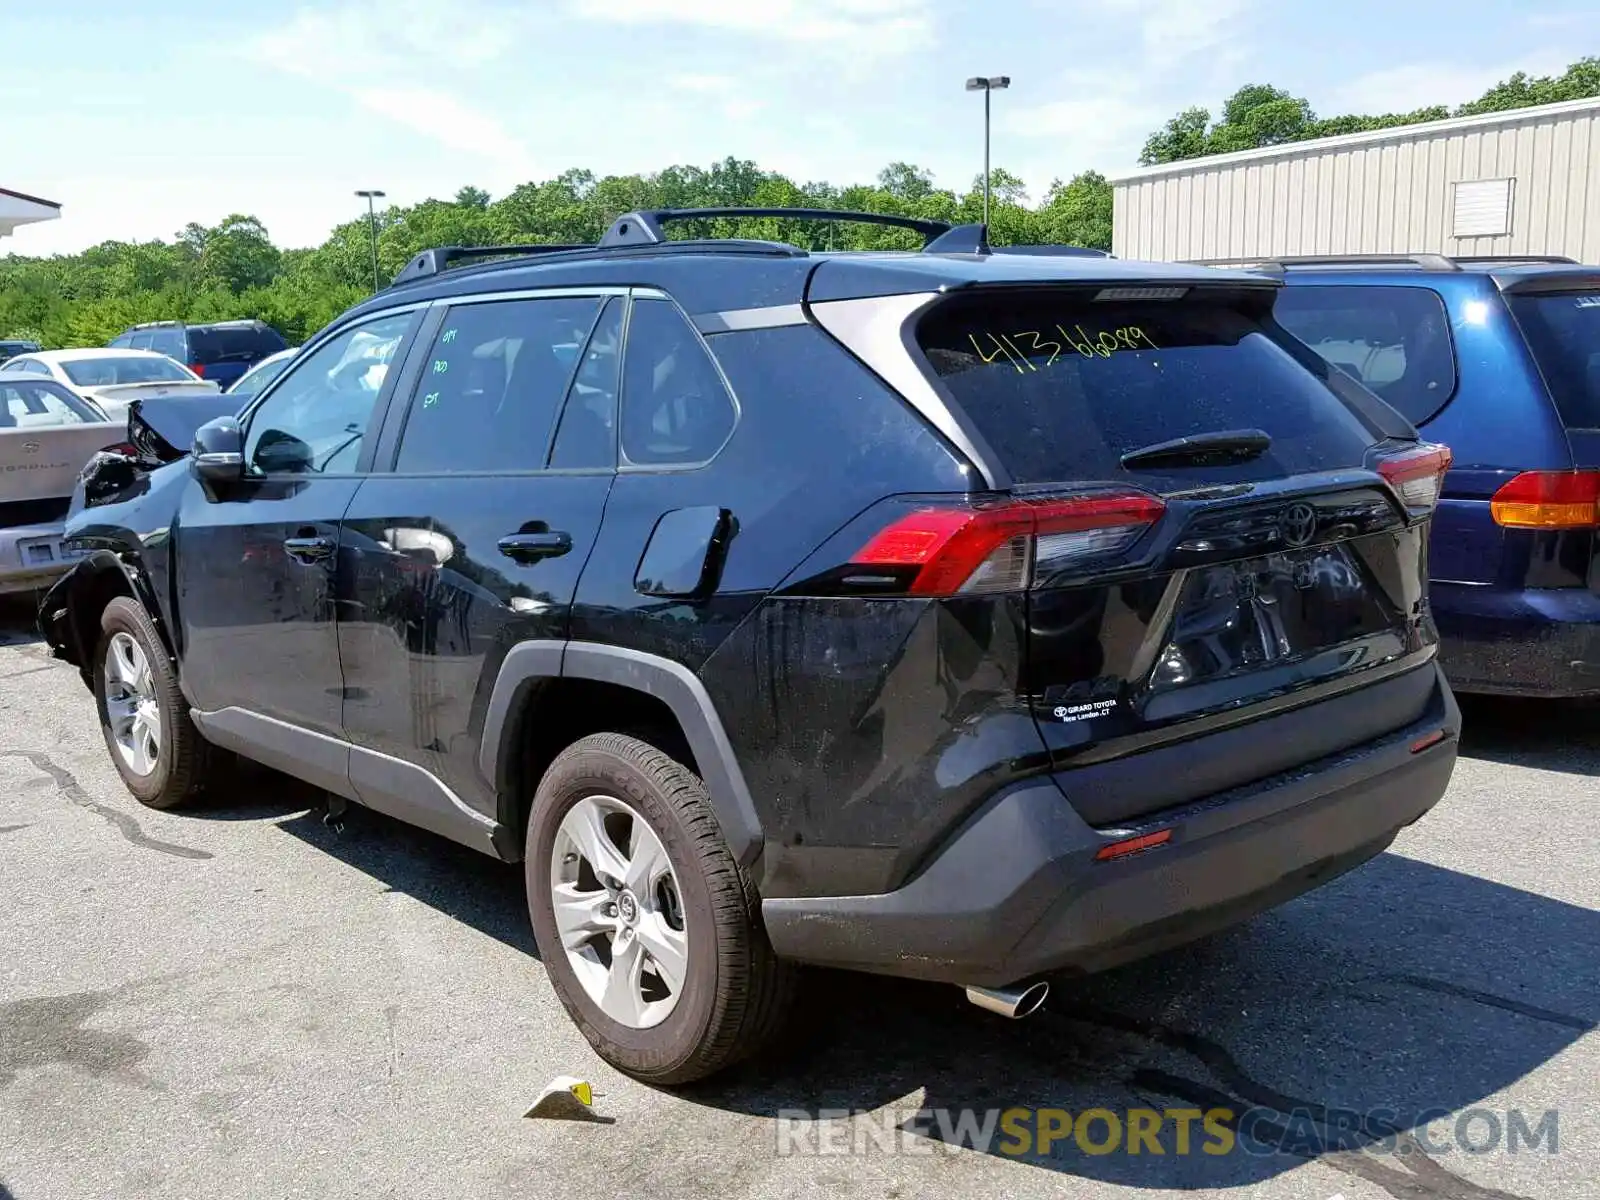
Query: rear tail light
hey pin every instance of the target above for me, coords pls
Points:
(1417, 475)
(1003, 547)
(199, 369)
(1549, 500)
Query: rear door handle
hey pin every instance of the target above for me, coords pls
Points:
(531, 547)
(308, 549)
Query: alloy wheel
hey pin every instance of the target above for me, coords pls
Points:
(131, 704)
(619, 911)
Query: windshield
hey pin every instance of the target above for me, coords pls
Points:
(1563, 331)
(113, 369)
(1062, 385)
(253, 380)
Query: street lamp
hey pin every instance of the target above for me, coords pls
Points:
(372, 230)
(987, 85)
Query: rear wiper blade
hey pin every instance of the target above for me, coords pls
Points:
(1201, 450)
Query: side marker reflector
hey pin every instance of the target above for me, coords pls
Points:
(1122, 849)
(1432, 739)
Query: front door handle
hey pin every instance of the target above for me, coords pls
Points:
(531, 547)
(308, 549)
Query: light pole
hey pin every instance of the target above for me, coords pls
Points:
(372, 230)
(987, 85)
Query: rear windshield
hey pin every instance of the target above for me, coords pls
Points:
(1063, 385)
(1563, 331)
(240, 343)
(112, 369)
(25, 404)
(1396, 340)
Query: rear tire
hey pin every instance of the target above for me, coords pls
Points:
(161, 756)
(732, 992)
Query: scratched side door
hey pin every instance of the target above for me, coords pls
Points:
(471, 532)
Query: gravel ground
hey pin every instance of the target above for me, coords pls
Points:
(243, 1002)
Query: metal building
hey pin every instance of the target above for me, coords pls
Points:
(18, 208)
(1521, 182)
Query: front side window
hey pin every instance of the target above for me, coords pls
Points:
(492, 384)
(315, 420)
(1396, 340)
(110, 370)
(675, 408)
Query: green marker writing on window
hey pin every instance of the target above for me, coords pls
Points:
(449, 336)
(440, 366)
(430, 400)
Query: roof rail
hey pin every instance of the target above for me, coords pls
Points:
(1515, 258)
(1428, 262)
(440, 258)
(1062, 251)
(644, 228)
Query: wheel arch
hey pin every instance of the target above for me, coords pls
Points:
(94, 582)
(523, 691)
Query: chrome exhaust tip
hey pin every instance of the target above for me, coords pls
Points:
(1015, 1002)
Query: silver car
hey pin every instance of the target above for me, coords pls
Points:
(47, 434)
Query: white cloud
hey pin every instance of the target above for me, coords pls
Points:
(445, 118)
(363, 47)
(1168, 52)
(864, 27)
(737, 99)
(1174, 31)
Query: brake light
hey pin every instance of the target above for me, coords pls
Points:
(1417, 475)
(1002, 547)
(1548, 500)
(199, 369)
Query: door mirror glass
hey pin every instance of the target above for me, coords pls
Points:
(218, 452)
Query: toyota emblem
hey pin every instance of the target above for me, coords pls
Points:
(1297, 524)
(30, 447)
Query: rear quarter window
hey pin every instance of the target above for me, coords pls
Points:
(1563, 331)
(1394, 339)
(1062, 385)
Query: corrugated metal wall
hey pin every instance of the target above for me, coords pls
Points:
(1390, 194)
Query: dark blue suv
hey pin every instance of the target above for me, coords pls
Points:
(1500, 360)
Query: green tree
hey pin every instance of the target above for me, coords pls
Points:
(1259, 114)
(1078, 213)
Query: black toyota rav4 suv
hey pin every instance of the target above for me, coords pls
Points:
(963, 616)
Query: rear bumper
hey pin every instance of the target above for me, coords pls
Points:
(1018, 892)
(20, 568)
(1534, 642)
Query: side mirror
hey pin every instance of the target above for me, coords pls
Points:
(218, 452)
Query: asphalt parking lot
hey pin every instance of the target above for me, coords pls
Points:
(242, 1001)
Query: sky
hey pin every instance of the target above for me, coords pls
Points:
(141, 118)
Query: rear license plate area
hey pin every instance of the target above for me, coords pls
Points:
(1254, 613)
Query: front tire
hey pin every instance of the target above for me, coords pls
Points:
(161, 756)
(649, 929)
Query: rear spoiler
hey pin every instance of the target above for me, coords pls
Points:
(1520, 283)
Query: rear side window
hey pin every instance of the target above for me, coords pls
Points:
(1563, 331)
(1062, 385)
(166, 341)
(1396, 340)
(492, 385)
